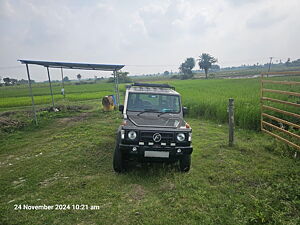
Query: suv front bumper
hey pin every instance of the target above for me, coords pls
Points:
(139, 150)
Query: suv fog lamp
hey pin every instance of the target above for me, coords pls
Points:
(134, 149)
(178, 150)
(190, 136)
(132, 135)
(180, 137)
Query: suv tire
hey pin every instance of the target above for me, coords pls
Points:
(185, 163)
(118, 161)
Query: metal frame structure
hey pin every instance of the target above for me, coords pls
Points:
(264, 124)
(69, 65)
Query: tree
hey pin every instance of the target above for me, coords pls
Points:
(6, 81)
(287, 63)
(186, 68)
(66, 79)
(166, 73)
(22, 81)
(122, 78)
(206, 61)
(13, 81)
(296, 62)
(217, 67)
(78, 77)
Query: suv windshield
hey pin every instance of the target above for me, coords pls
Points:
(141, 102)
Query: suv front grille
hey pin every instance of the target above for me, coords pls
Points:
(147, 136)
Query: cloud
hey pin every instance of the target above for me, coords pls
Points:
(238, 3)
(175, 19)
(155, 32)
(264, 19)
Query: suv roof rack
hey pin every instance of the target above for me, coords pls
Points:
(152, 85)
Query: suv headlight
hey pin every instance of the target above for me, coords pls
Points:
(180, 137)
(132, 135)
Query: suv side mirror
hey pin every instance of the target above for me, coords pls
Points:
(184, 110)
(121, 108)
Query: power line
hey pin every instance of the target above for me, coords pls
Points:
(149, 65)
(9, 67)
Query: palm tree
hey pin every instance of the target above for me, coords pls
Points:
(205, 62)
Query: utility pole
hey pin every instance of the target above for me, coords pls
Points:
(269, 66)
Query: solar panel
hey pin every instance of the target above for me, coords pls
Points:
(69, 65)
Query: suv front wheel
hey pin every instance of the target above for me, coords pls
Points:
(185, 163)
(118, 161)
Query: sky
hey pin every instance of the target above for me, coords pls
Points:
(148, 36)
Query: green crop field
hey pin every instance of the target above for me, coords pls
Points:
(209, 98)
(19, 96)
(205, 98)
(43, 89)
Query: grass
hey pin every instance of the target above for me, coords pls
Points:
(67, 159)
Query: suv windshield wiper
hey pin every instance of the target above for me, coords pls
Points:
(147, 110)
(162, 113)
(167, 111)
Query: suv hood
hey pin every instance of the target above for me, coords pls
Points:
(167, 120)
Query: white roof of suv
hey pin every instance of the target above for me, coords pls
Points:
(156, 88)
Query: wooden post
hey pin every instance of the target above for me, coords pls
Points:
(231, 121)
(261, 101)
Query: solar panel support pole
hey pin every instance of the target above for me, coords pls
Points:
(32, 100)
(117, 88)
(115, 84)
(62, 81)
(50, 87)
(117, 76)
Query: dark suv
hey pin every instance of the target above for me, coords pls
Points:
(153, 128)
